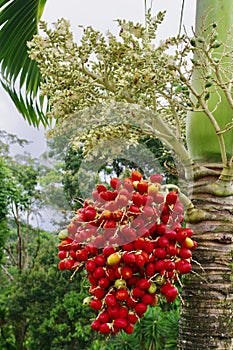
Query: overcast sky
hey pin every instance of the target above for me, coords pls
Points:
(101, 14)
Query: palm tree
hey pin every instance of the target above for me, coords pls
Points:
(206, 320)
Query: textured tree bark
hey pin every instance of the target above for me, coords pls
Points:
(206, 320)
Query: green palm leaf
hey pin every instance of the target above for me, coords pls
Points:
(20, 76)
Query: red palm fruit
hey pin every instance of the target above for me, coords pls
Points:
(72, 228)
(72, 254)
(145, 256)
(62, 254)
(170, 265)
(90, 266)
(126, 272)
(125, 192)
(95, 325)
(123, 312)
(109, 233)
(143, 232)
(138, 222)
(160, 253)
(128, 233)
(133, 211)
(75, 245)
(108, 250)
(183, 266)
(181, 235)
(117, 215)
(99, 293)
(95, 195)
(105, 328)
(151, 258)
(104, 282)
(147, 199)
(115, 183)
(165, 218)
(65, 244)
(158, 198)
(127, 184)
(101, 188)
(132, 317)
(100, 260)
(103, 317)
(147, 299)
(128, 247)
(121, 201)
(175, 226)
(91, 248)
(92, 289)
(129, 329)
(171, 235)
(110, 206)
(153, 189)
(96, 304)
(185, 253)
(137, 199)
(99, 241)
(139, 260)
(171, 197)
(147, 212)
(120, 323)
(178, 208)
(61, 265)
(150, 270)
(169, 291)
(113, 311)
(110, 300)
(165, 287)
(132, 280)
(163, 242)
(117, 273)
(143, 283)
(110, 274)
(92, 279)
(136, 175)
(122, 294)
(156, 178)
(159, 265)
(194, 245)
(149, 247)
(137, 292)
(140, 308)
(128, 258)
(109, 224)
(131, 302)
(81, 255)
(142, 186)
(171, 250)
(139, 243)
(152, 227)
(111, 195)
(90, 213)
(161, 229)
(99, 272)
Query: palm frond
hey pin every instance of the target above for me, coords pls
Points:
(20, 76)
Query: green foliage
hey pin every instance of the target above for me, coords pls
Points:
(19, 22)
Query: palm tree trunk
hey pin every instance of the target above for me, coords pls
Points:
(206, 320)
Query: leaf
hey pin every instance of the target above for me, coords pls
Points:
(20, 76)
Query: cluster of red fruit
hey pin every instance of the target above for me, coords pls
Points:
(131, 242)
